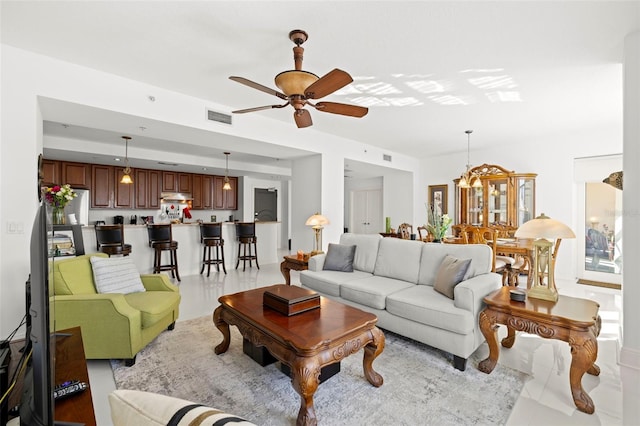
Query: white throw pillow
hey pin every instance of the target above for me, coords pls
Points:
(116, 275)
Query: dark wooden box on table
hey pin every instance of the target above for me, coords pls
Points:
(290, 300)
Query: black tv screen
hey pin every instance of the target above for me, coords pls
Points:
(37, 405)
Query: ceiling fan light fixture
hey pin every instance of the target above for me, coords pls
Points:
(294, 82)
(126, 177)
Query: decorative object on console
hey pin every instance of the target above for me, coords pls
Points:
(317, 222)
(468, 179)
(301, 86)
(58, 196)
(126, 177)
(227, 185)
(544, 230)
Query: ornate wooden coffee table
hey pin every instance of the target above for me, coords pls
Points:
(575, 321)
(305, 342)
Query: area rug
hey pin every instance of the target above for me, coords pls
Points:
(420, 384)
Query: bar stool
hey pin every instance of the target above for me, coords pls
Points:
(160, 239)
(246, 234)
(211, 236)
(110, 240)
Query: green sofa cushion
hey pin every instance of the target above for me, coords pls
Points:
(153, 305)
(74, 276)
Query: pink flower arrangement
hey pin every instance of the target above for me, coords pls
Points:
(59, 196)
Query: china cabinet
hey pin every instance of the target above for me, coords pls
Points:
(505, 197)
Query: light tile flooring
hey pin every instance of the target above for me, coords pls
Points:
(545, 398)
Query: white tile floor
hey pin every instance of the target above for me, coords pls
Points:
(545, 398)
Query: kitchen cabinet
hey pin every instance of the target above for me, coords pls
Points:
(506, 198)
(202, 192)
(176, 182)
(123, 196)
(102, 186)
(50, 172)
(78, 175)
(147, 188)
(225, 200)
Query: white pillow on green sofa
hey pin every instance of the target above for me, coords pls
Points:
(116, 275)
(132, 407)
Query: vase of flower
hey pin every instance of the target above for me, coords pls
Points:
(437, 223)
(59, 196)
(58, 216)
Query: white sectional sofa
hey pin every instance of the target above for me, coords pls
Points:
(394, 279)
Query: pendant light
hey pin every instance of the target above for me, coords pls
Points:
(226, 186)
(469, 179)
(126, 178)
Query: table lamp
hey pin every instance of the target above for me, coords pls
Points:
(544, 231)
(316, 222)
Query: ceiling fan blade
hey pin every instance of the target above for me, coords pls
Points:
(303, 118)
(258, 86)
(327, 84)
(343, 109)
(242, 111)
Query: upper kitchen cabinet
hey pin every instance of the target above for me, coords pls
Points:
(78, 175)
(176, 182)
(147, 188)
(506, 198)
(225, 199)
(123, 196)
(102, 186)
(50, 172)
(202, 192)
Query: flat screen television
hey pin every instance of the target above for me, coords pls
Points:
(37, 404)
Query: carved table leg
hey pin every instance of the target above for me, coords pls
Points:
(489, 330)
(508, 341)
(224, 329)
(286, 272)
(305, 374)
(584, 351)
(371, 352)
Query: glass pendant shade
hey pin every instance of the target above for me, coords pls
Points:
(226, 185)
(469, 179)
(126, 177)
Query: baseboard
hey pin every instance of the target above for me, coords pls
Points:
(599, 284)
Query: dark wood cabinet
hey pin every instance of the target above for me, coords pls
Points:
(124, 192)
(102, 186)
(184, 182)
(78, 175)
(147, 189)
(202, 192)
(50, 172)
(225, 199)
(169, 181)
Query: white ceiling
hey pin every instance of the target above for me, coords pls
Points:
(512, 71)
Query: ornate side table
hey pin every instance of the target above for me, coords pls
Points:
(292, 263)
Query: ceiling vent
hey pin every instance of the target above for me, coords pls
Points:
(386, 157)
(218, 117)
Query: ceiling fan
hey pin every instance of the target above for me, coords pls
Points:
(299, 87)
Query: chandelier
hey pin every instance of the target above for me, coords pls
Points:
(469, 179)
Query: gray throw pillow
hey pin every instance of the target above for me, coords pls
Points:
(339, 258)
(450, 274)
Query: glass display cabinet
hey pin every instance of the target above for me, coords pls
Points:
(505, 197)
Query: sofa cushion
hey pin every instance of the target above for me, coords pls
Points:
(371, 291)
(74, 275)
(132, 407)
(366, 249)
(328, 282)
(339, 258)
(424, 305)
(116, 275)
(153, 305)
(433, 254)
(400, 259)
(450, 273)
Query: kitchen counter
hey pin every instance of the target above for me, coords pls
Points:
(189, 247)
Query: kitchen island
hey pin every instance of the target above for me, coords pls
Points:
(189, 248)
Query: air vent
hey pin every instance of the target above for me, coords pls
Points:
(218, 116)
(386, 157)
(164, 163)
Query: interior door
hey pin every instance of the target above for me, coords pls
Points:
(366, 211)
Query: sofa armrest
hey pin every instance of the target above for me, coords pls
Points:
(317, 262)
(469, 294)
(158, 282)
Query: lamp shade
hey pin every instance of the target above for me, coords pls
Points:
(544, 227)
(317, 220)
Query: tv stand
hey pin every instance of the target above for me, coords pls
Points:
(71, 364)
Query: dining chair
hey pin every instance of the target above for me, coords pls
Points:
(405, 230)
(423, 233)
(500, 264)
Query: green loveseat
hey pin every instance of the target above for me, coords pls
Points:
(114, 326)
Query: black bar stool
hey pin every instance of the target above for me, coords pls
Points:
(246, 234)
(160, 239)
(211, 237)
(110, 240)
